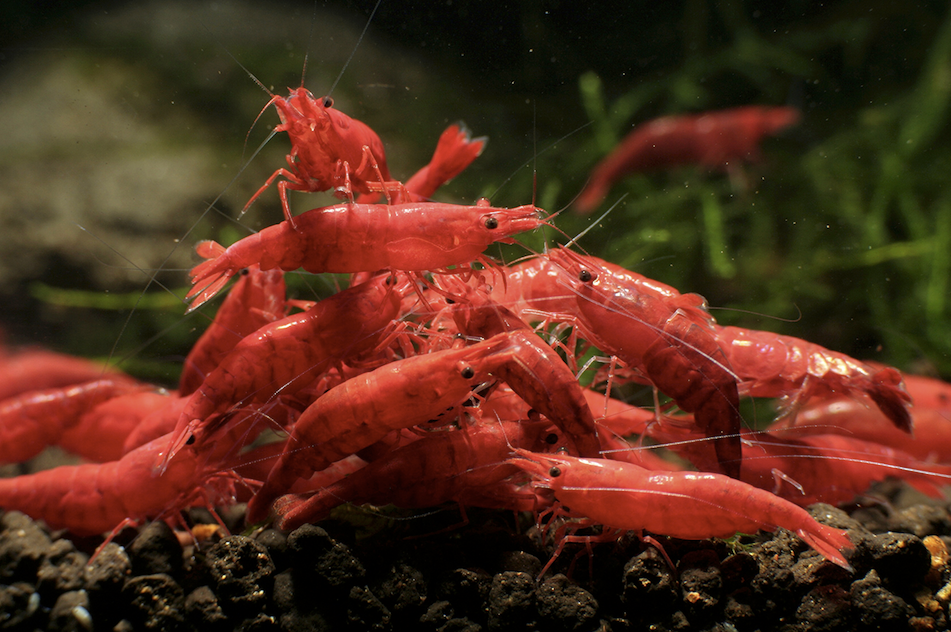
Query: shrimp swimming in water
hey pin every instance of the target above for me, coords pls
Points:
(710, 139)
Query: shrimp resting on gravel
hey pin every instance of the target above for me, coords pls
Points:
(687, 505)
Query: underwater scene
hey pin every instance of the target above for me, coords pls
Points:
(475, 315)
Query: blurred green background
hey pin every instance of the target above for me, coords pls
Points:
(130, 119)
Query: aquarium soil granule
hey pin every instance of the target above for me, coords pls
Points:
(482, 576)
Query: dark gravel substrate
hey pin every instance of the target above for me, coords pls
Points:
(479, 577)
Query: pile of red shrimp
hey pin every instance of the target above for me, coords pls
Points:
(440, 376)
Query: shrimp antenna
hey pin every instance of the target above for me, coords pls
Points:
(577, 237)
(157, 336)
(536, 154)
(152, 274)
(235, 59)
(797, 319)
(359, 40)
(310, 38)
(269, 93)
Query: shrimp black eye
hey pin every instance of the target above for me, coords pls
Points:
(551, 439)
(467, 373)
(585, 276)
(450, 301)
(190, 440)
(391, 280)
(245, 272)
(328, 102)
(554, 472)
(491, 223)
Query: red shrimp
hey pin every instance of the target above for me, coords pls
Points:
(257, 299)
(100, 434)
(33, 421)
(535, 372)
(439, 467)
(845, 416)
(832, 468)
(401, 394)
(287, 355)
(676, 351)
(684, 505)
(364, 409)
(329, 150)
(91, 499)
(711, 139)
(365, 237)
(773, 365)
(32, 369)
